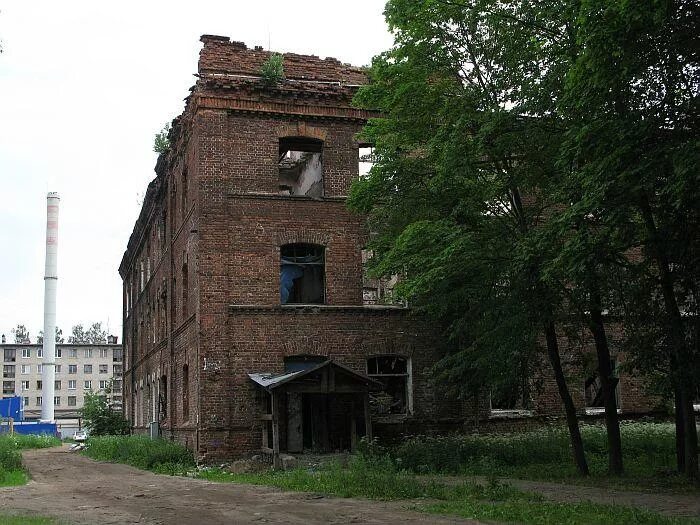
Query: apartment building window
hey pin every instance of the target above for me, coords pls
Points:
(26, 369)
(57, 385)
(104, 352)
(58, 368)
(73, 353)
(26, 353)
(87, 352)
(72, 369)
(39, 368)
(72, 401)
(25, 385)
(104, 385)
(117, 369)
(87, 385)
(8, 388)
(87, 369)
(38, 401)
(104, 369)
(10, 355)
(117, 354)
(8, 371)
(71, 384)
(25, 401)
(39, 384)
(56, 401)
(40, 352)
(58, 353)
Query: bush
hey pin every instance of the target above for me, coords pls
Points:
(645, 445)
(159, 455)
(100, 419)
(272, 70)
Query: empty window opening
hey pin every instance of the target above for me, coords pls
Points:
(365, 159)
(300, 167)
(394, 373)
(302, 274)
(594, 388)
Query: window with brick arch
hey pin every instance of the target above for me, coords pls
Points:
(300, 164)
(302, 274)
(394, 373)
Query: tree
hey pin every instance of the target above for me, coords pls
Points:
(466, 149)
(161, 141)
(21, 334)
(100, 419)
(631, 100)
(59, 336)
(94, 335)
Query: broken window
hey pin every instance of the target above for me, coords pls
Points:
(302, 274)
(163, 398)
(300, 167)
(394, 373)
(594, 388)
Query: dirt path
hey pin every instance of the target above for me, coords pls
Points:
(663, 503)
(78, 490)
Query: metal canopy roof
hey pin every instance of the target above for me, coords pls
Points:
(270, 381)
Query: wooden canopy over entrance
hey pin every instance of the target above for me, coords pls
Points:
(296, 401)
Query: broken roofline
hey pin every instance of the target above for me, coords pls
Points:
(270, 381)
(220, 55)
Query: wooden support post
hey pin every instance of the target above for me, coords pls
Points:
(276, 462)
(353, 427)
(368, 419)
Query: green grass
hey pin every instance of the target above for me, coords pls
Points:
(378, 479)
(11, 470)
(159, 455)
(10, 519)
(544, 454)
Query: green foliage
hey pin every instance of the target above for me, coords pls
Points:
(161, 141)
(272, 70)
(379, 478)
(159, 455)
(100, 419)
(93, 335)
(14, 519)
(59, 336)
(21, 334)
(11, 471)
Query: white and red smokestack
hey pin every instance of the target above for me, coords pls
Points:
(48, 374)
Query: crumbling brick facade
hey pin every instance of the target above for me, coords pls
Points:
(202, 279)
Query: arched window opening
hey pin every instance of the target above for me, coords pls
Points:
(300, 167)
(302, 274)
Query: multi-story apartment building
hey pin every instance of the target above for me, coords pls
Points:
(80, 368)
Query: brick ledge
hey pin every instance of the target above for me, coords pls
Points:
(315, 308)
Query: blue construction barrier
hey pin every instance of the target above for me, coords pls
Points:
(12, 407)
(27, 427)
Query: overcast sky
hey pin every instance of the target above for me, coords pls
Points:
(84, 86)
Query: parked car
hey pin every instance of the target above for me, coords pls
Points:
(80, 436)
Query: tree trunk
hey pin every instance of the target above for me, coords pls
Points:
(678, 414)
(569, 409)
(679, 348)
(609, 384)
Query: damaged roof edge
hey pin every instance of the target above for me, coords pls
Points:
(271, 381)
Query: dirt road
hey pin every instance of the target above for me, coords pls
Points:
(78, 490)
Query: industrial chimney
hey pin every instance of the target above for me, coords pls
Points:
(48, 374)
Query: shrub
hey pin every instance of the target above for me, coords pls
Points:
(11, 472)
(158, 455)
(272, 70)
(100, 419)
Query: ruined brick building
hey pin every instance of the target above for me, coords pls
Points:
(247, 324)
